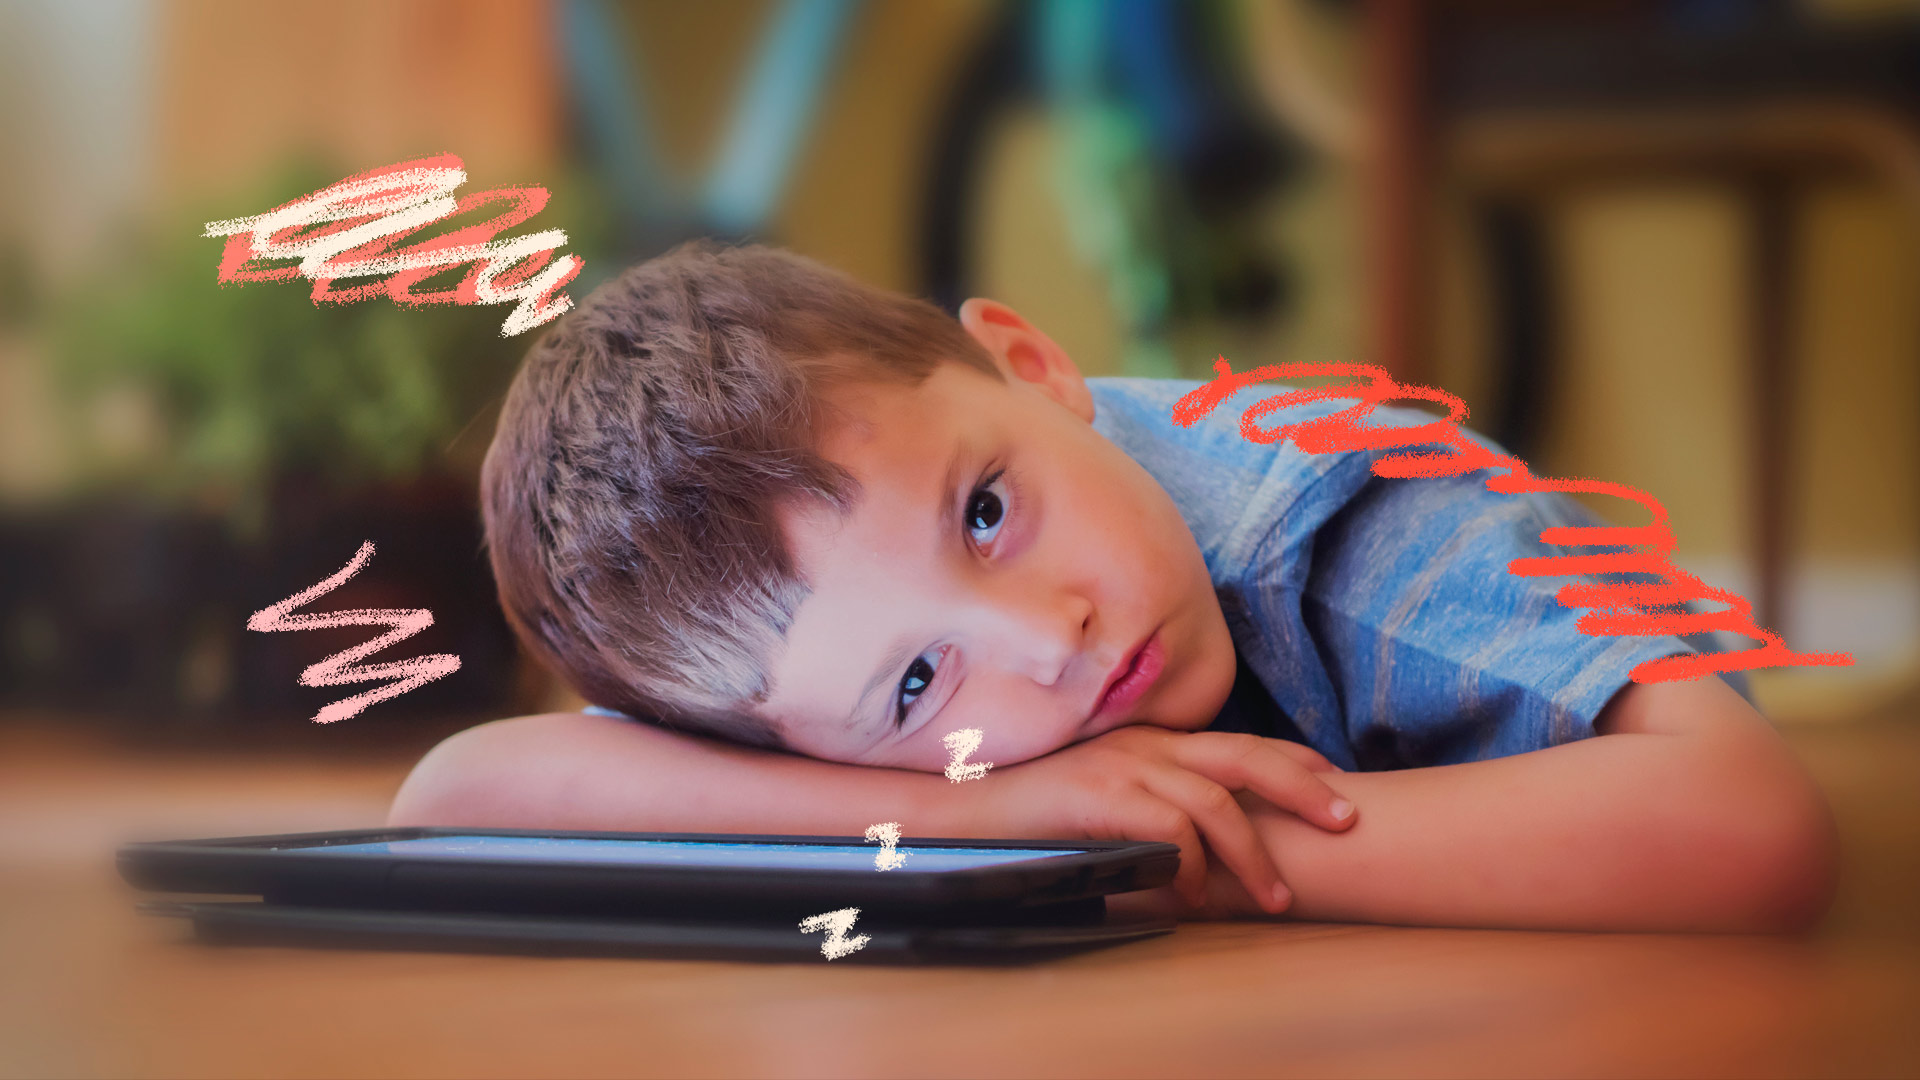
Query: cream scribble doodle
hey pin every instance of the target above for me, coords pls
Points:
(343, 668)
(887, 833)
(836, 924)
(960, 744)
(349, 230)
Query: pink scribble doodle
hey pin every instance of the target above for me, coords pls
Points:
(349, 230)
(343, 668)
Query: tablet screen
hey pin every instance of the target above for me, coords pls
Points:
(567, 849)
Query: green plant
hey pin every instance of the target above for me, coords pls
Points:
(244, 385)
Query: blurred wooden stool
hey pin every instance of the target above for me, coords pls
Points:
(1514, 105)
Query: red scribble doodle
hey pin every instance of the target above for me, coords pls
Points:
(343, 668)
(348, 231)
(1625, 609)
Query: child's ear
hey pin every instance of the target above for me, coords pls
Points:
(1023, 352)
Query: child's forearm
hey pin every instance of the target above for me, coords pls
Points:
(1619, 832)
(568, 770)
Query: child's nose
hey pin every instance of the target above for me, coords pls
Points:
(1040, 631)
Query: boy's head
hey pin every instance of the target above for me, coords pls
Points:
(744, 494)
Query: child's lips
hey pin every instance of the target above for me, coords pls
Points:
(1131, 680)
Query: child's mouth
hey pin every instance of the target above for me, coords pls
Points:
(1140, 674)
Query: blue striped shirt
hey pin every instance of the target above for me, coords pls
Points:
(1375, 618)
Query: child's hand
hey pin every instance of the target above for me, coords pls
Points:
(1148, 783)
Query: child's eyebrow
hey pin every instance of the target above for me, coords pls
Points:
(947, 520)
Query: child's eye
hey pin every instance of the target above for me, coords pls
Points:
(987, 509)
(986, 513)
(919, 676)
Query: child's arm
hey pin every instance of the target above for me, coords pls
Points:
(580, 771)
(577, 771)
(1687, 813)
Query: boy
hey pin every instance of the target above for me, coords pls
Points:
(810, 528)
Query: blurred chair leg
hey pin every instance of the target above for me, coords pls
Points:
(1521, 275)
(1398, 183)
(1771, 328)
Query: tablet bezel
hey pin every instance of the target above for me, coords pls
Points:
(1009, 941)
(278, 869)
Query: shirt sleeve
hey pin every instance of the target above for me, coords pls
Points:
(1434, 651)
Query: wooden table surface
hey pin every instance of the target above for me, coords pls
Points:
(87, 988)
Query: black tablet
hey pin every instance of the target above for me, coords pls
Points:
(620, 873)
(1040, 935)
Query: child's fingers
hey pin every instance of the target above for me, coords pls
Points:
(1147, 817)
(1223, 822)
(1264, 768)
(1314, 760)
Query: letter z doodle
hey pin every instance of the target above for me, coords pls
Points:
(960, 744)
(836, 924)
(888, 835)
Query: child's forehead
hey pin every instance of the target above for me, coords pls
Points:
(901, 418)
(900, 446)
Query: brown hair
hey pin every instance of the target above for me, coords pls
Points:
(630, 490)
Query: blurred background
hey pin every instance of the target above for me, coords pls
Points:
(1667, 243)
(1664, 242)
